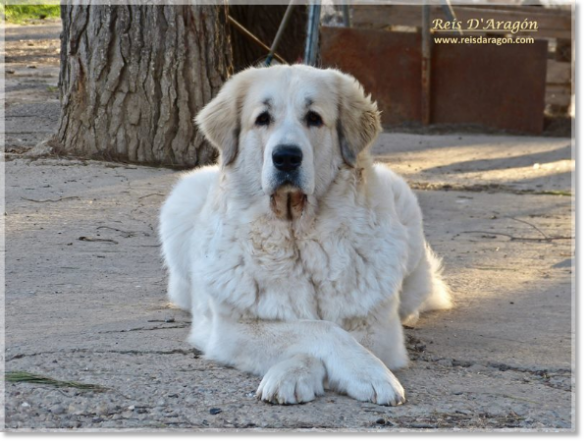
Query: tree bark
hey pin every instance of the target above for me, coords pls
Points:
(134, 77)
(263, 21)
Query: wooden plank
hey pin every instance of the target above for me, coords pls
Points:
(560, 95)
(559, 72)
(550, 25)
(531, 8)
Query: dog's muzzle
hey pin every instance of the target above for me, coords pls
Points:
(288, 200)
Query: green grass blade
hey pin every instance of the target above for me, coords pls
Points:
(27, 377)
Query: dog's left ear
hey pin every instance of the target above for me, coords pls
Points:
(219, 120)
(358, 120)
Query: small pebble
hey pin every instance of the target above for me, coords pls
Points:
(58, 410)
(215, 411)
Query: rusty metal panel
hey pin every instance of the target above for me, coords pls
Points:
(497, 86)
(500, 87)
(388, 64)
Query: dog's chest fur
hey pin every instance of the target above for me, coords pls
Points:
(341, 266)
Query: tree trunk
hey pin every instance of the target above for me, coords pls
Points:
(134, 77)
(263, 21)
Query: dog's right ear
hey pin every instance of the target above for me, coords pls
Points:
(219, 120)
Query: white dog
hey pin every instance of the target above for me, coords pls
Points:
(298, 258)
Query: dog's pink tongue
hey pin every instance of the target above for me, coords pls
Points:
(288, 204)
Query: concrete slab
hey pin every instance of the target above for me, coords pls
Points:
(480, 162)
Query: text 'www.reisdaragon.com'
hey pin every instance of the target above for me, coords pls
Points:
(482, 40)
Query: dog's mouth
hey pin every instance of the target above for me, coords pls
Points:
(288, 202)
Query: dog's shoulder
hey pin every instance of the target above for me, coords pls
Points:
(186, 200)
(197, 182)
(392, 193)
(192, 189)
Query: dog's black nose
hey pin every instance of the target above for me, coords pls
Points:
(287, 158)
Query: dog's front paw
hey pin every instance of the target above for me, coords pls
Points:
(373, 382)
(382, 391)
(296, 380)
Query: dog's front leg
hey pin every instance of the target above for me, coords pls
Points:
(295, 358)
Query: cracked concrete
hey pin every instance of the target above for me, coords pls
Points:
(96, 312)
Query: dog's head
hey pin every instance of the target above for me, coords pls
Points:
(286, 131)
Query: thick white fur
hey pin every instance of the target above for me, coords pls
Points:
(314, 301)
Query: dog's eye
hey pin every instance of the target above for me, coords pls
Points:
(263, 119)
(313, 119)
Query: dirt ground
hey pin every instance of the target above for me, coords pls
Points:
(85, 289)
